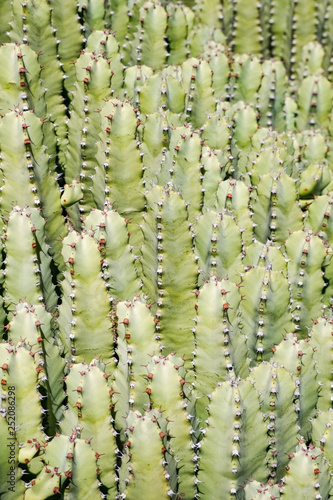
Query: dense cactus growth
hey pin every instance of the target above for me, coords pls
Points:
(166, 196)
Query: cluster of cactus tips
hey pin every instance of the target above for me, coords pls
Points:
(166, 204)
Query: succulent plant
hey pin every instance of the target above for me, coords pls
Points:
(166, 249)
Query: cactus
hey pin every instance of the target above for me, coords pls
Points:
(85, 337)
(89, 410)
(154, 482)
(167, 238)
(276, 388)
(180, 24)
(315, 480)
(27, 274)
(17, 359)
(136, 336)
(66, 465)
(275, 199)
(226, 427)
(297, 358)
(120, 157)
(216, 320)
(166, 376)
(307, 256)
(166, 249)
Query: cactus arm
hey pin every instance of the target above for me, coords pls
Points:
(303, 29)
(307, 255)
(180, 23)
(264, 311)
(122, 160)
(222, 444)
(200, 100)
(88, 336)
(33, 324)
(276, 199)
(217, 461)
(216, 132)
(133, 80)
(65, 21)
(245, 126)
(213, 175)
(10, 456)
(152, 147)
(21, 278)
(248, 74)
(313, 481)
(139, 334)
(165, 384)
(175, 94)
(228, 250)
(84, 483)
(203, 243)
(88, 387)
(253, 446)
(26, 394)
(118, 265)
(186, 172)
(150, 94)
(320, 335)
(322, 435)
(151, 50)
(218, 62)
(277, 388)
(247, 36)
(314, 100)
(31, 24)
(297, 356)
(234, 198)
(162, 262)
(153, 483)
(212, 334)
(272, 94)
(93, 86)
(20, 82)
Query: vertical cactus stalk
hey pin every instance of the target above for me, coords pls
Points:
(166, 378)
(167, 239)
(216, 317)
(143, 428)
(85, 337)
(223, 441)
(89, 412)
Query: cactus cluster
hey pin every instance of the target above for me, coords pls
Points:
(166, 194)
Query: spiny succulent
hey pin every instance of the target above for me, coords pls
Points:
(166, 261)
